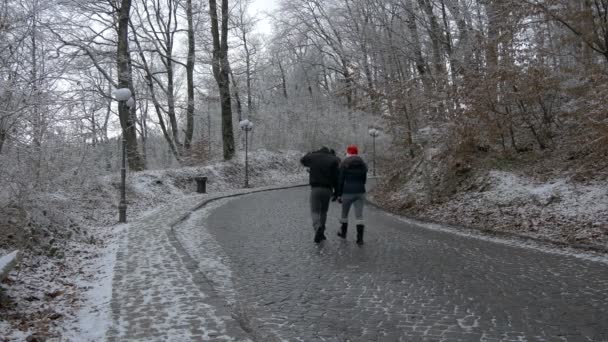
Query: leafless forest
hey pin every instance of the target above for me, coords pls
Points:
(492, 115)
(454, 85)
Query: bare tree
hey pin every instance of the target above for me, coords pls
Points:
(221, 72)
(127, 119)
(244, 25)
(158, 26)
(190, 76)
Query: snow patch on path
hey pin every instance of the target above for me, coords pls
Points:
(202, 247)
(94, 318)
(589, 256)
(157, 294)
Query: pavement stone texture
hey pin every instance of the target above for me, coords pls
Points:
(246, 269)
(158, 292)
(407, 283)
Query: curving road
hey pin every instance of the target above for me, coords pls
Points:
(405, 284)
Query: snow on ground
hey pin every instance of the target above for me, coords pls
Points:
(203, 247)
(10, 334)
(6, 260)
(577, 253)
(587, 202)
(63, 291)
(157, 295)
(559, 210)
(92, 316)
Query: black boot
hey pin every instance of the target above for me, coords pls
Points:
(360, 229)
(343, 230)
(320, 234)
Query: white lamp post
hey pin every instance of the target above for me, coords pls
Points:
(130, 102)
(123, 95)
(246, 126)
(374, 133)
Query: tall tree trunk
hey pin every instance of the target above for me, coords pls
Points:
(362, 36)
(171, 100)
(124, 76)
(36, 119)
(455, 65)
(463, 40)
(106, 118)
(439, 75)
(283, 80)
(221, 69)
(248, 72)
(190, 79)
(149, 77)
(237, 98)
(436, 38)
(143, 124)
(3, 136)
(348, 83)
(492, 39)
(417, 46)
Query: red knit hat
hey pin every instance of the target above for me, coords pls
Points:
(352, 149)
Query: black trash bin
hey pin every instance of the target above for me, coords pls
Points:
(201, 185)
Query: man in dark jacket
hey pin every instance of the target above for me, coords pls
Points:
(323, 179)
(351, 190)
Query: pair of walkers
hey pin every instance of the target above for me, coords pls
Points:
(332, 179)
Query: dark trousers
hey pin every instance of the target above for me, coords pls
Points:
(319, 204)
(355, 200)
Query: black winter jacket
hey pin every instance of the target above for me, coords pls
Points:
(352, 176)
(323, 168)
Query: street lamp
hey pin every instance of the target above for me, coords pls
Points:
(123, 95)
(246, 126)
(374, 133)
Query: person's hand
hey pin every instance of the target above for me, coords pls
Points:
(339, 199)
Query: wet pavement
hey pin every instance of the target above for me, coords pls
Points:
(406, 283)
(158, 293)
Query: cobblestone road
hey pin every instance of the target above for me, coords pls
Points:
(405, 284)
(158, 292)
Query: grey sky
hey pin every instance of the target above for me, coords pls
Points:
(261, 6)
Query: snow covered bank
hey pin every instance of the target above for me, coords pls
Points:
(63, 287)
(560, 210)
(7, 261)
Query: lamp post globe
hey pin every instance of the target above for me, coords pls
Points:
(130, 103)
(122, 94)
(246, 126)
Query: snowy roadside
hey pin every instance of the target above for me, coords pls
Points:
(163, 288)
(92, 317)
(7, 259)
(511, 240)
(67, 296)
(201, 245)
(558, 211)
(211, 260)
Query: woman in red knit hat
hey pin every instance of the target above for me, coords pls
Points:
(351, 190)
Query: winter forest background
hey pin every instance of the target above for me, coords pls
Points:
(480, 76)
(492, 112)
(454, 85)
